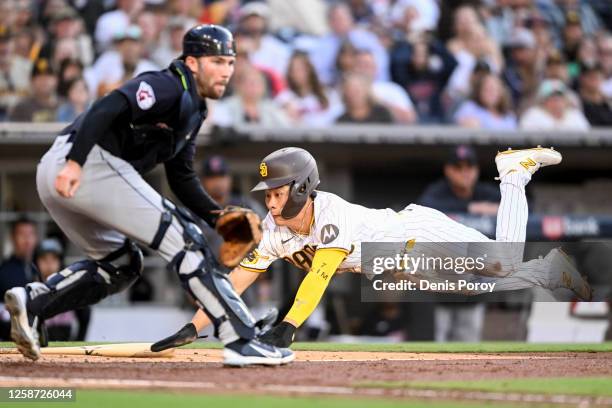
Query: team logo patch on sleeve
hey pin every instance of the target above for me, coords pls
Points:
(145, 97)
(328, 233)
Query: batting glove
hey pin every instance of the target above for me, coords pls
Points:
(281, 335)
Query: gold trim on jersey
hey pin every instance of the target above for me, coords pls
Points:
(253, 269)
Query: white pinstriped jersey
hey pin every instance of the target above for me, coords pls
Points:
(337, 224)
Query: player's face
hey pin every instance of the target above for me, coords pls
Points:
(276, 198)
(213, 74)
(462, 176)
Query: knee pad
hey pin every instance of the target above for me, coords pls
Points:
(86, 282)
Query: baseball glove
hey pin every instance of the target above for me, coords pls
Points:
(241, 232)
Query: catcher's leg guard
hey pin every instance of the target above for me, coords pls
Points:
(85, 282)
(206, 280)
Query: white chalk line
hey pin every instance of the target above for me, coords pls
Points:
(104, 383)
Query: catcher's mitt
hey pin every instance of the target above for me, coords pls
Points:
(241, 232)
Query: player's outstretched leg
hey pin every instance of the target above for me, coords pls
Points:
(80, 284)
(555, 271)
(515, 169)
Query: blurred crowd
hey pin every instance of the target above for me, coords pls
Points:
(491, 64)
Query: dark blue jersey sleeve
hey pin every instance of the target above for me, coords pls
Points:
(151, 94)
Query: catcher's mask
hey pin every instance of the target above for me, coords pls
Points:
(294, 167)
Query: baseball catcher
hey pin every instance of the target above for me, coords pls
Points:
(91, 183)
(321, 233)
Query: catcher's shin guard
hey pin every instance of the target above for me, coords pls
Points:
(85, 282)
(206, 280)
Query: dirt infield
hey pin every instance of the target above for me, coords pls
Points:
(314, 372)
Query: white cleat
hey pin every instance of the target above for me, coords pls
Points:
(567, 276)
(526, 160)
(22, 333)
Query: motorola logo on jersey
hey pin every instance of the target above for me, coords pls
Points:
(328, 233)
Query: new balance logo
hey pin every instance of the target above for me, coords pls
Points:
(528, 163)
(328, 233)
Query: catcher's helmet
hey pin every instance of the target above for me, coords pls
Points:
(294, 167)
(208, 39)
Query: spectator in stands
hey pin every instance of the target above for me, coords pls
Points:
(249, 104)
(9, 87)
(359, 103)
(71, 325)
(190, 9)
(597, 108)
(572, 36)
(554, 110)
(77, 102)
(275, 81)
(69, 69)
(41, 105)
(343, 29)
(489, 107)
(17, 269)
(556, 68)
(151, 33)
(587, 51)
(574, 12)
(344, 62)
(15, 68)
(119, 64)
(165, 53)
(387, 93)
(423, 68)
(469, 45)
(116, 21)
(66, 36)
(415, 16)
(521, 72)
(306, 100)
(604, 47)
(266, 50)
(460, 192)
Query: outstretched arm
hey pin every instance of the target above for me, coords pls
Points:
(241, 279)
(324, 264)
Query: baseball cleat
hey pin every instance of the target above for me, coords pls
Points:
(24, 334)
(526, 160)
(567, 276)
(254, 352)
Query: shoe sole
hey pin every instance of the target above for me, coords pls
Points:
(233, 359)
(583, 290)
(25, 341)
(548, 149)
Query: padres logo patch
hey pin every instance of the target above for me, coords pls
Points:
(145, 97)
(253, 258)
(263, 170)
(329, 232)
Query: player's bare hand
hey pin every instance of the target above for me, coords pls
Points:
(68, 179)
